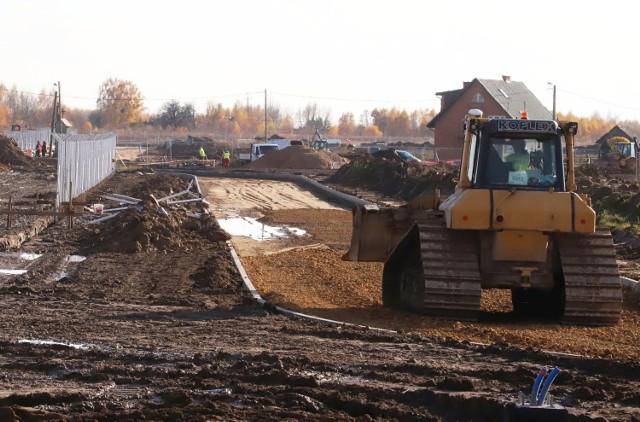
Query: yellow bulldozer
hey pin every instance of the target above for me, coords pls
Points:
(514, 222)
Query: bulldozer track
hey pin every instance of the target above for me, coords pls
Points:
(593, 293)
(452, 274)
(444, 279)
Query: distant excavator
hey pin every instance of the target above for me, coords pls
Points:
(514, 222)
(318, 143)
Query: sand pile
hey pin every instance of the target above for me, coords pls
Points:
(299, 157)
(10, 154)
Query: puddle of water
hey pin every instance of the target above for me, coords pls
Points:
(30, 256)
(12, 272)
(76, 258)
(251, 227)
(54, 343)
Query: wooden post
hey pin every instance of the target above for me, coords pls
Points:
(70, 205)
(9, 213)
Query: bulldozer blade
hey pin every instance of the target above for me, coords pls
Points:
(376, 231)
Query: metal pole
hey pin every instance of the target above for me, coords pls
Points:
(59, 101)
(554, 102)
(553, 117)
(70, 205)
(53, 121)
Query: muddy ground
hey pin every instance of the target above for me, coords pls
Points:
(155, 325)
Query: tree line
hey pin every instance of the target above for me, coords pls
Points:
(120, 105)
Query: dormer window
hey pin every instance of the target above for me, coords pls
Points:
(477, 99)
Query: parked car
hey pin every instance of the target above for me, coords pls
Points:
(407, 157)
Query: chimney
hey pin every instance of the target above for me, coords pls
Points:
(506, 78)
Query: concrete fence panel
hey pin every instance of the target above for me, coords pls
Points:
(83, 162)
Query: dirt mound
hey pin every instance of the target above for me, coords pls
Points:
(10, 153)
(616, 199)
(385, 172)
(158, 185)
(299, 157)
(148, 226)
(600, 183)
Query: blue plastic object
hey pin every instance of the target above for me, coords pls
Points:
(536, 386)
(545, 388)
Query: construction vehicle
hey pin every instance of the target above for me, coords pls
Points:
(522, 228)
(318, 143)
(619, 152)
(258, 151)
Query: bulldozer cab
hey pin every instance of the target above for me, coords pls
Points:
(522, 154)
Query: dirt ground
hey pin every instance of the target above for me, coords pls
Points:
(312, 278)
(143, 317)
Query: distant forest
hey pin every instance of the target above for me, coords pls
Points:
(120, 106)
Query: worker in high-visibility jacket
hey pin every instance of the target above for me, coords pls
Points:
(226, 158)
(203, 155)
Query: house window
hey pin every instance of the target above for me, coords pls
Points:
(477, 99)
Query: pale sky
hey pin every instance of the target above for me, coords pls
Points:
(344, 55)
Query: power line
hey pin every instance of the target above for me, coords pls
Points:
(130, 98)
(352, 99)
(599, 101)
(174, 98)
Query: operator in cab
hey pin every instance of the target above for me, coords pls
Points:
(520, 159)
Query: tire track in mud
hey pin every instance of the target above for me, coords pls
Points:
(285, 369)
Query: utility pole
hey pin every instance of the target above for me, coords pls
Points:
(265, 115)
(56, 124)
(53, 122)
(554, 100)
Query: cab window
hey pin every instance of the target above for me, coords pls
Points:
(519, 162)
